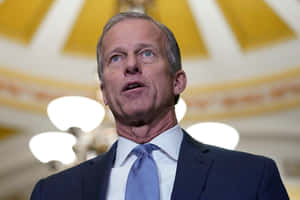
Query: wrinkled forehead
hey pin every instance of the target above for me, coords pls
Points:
(133, 29)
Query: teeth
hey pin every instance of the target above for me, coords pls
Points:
(134, 85)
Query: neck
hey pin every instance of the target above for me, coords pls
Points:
(146, 132)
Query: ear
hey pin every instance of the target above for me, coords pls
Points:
(103, 94)
(179, 82)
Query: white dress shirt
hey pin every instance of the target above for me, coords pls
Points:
(166, 160)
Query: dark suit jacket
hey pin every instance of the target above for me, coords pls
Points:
(203, 173)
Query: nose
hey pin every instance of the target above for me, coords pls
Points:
(132, 65)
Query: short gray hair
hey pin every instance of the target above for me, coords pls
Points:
(173, 52)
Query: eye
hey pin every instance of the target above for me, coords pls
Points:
(115, 58)
(147, 53)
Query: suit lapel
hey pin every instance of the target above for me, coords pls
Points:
(192, 170)
(96, 175)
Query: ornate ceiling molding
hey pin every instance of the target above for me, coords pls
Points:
(254, 23)
(254, 96)
(31, 93)
(7, 131)
(250, 97)
(20, 19)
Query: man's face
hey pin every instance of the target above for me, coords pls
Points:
(137, 84)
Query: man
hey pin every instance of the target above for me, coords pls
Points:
(139, 67)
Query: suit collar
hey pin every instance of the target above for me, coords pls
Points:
(192, 170)
(96, 175)
(191, 174)
(169, 143)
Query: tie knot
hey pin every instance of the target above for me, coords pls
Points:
(143, 149)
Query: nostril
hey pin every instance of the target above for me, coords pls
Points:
(133, 69)
(136, 69)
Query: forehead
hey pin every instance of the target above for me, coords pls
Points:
(133, 31)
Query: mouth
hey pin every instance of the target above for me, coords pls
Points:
(132, 86)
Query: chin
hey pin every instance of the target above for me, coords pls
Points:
(137, 117)
(137, 111)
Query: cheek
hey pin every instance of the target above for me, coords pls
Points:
(111, 79)
(110, 88)
(163, 85)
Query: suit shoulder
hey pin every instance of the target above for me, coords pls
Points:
(218, 153)
(235, 154)
(71, 174)
(230, 171)
(66, 184)
(240, 160)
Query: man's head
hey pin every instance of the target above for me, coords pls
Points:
(138, 82)
(173, 51)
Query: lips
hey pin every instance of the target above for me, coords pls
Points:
(132, 85)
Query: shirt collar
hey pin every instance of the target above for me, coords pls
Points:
(169, 142)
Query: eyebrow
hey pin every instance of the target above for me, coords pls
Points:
(137, 48)
(142, 46)
(117, 49)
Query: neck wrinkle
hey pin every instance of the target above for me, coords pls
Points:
(145, 133)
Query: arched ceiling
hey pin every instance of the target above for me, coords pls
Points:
(242, 59)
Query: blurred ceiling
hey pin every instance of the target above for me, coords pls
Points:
(242, 59)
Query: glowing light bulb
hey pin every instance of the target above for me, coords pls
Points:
(214, 133)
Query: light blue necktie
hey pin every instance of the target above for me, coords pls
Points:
(142, 182)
